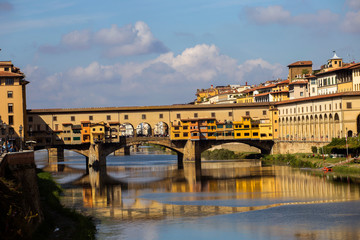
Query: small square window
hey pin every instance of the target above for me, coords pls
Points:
(195, 115)
(10, 94)
(108, 117)
(348, 105)
(126, 117)
(247, 113)
(161, 115)
(143, 116)
(54, 118)
(91, 118)
(230, 114)
(178, 115)
(72, 118)
(213, 114)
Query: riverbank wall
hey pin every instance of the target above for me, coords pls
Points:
(291, 147)
(20, 194)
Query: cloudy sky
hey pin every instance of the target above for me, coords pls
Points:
(130, 53)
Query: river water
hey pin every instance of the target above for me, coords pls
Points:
(145, 196)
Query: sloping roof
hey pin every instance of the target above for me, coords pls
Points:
(337, 69)
(10, 74)
(300, 63)
(283, 82)
(262, 94)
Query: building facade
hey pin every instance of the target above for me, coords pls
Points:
(12, 103)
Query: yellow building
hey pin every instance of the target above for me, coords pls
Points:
(12, 103)
(204, 94)
(281, 91)
(97, 132)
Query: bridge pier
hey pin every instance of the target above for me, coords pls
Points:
(55, 155)
(97, 156)
(192, 153)
(180, 161)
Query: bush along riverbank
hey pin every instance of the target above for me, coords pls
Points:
(298, 160)
(60, 222)
(225, 154)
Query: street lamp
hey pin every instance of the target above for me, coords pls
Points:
(20, 131)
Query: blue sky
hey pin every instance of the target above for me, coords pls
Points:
(132, 53)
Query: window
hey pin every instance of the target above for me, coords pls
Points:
(195, 115)
(30, 119)
(247, 113)
(255, 134)
(177, 135)
(90, 119)
(185, 134)
(178, 115)
(108, 117)
(56, 126)
(230, 114)
(246, 134)
(161, 115)
(329, 106)
(213, 114)
(9, 81)
(126, 117)
(348, 105)
(11, 120)
(10, 108)
(143, 116)
(340, 105)
(72, 118)
(10, 94)
(264, 112)
(301, 94)
(54, 118)
(185, 127)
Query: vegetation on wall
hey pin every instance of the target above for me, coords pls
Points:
(225, 154)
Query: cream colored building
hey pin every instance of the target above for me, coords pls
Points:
(320, 118)
(12, 102)
(356, 77)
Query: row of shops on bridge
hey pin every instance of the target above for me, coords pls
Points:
(185, 129)
(246, 128)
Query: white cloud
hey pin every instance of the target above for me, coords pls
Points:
(115, 41)
(354, 4)
(77, 39)
(271, 14)
(278, 15)
(351, 22)
(167, 79)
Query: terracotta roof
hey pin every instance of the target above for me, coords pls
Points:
(85, 122)
(337, 69)
(356, 65)
(114, 123)
(283, 82)
(304, 99)
(262, 94)
(67, 124)
(10, 74)
(299, 82)
(300, 63)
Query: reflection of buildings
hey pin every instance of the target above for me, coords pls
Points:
(273, 186)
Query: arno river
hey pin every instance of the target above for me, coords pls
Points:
(145, 196)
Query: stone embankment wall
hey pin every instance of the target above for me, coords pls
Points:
(284, 147)
(236, 147)
(20, 169)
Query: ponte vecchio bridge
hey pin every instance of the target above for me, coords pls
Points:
(55, 129)
(291, 126)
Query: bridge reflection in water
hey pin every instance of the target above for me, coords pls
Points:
(158, 192)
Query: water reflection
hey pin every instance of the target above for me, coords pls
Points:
(133, 190)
